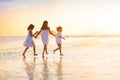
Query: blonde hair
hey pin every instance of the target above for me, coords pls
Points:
(59, 29)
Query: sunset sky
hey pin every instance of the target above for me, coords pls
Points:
(75, 16)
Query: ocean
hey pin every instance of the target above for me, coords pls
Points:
(85, 58)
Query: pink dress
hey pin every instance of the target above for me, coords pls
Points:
(58, 39)
(29, 41)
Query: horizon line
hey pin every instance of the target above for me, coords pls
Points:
(102, 35)
(86, 35)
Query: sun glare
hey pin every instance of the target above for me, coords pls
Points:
(75, 18)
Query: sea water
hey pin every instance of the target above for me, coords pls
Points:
(93, 58)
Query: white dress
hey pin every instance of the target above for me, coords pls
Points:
(29, 41)
(58, 39)
(44, 36)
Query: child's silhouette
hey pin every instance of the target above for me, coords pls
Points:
(29, 41)
(58, 40)
(45, 30)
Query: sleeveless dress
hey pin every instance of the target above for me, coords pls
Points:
(58, 39)
(44, 36)
(29, 41)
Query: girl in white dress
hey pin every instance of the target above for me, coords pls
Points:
(58, 40)
(45, 30)
(29, 41)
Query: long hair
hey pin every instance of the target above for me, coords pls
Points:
(45, 25)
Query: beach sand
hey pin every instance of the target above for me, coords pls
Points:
(84, 59)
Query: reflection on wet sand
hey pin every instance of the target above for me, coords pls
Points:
(30, 68)
(59, 69)
(45, 73)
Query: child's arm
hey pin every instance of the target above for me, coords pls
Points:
(37, 33)
(51, 33)
(61, 37)
(31, 34)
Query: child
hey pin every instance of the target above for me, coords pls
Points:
(58, 40)
(45, 30)
(29, 41)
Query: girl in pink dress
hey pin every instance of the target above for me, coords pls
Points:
(45, 30)
(29, 41)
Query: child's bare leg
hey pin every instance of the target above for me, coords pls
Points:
(55, 50)
(43, 51)
(60, 49)
(34, 51)
(25, 51)
(46, 49)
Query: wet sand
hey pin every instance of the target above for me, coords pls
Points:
(84, 59)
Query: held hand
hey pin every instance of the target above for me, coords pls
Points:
(35, 33)
(35, 36)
